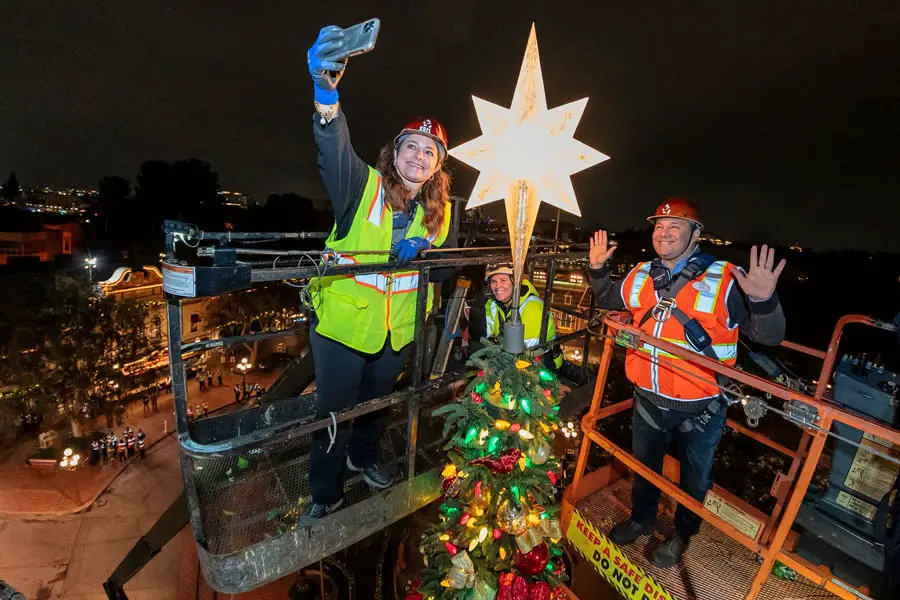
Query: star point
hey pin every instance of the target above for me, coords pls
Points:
(528, 151)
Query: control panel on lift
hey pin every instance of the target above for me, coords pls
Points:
(842, 517)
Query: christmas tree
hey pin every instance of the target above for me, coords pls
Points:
(497, 536)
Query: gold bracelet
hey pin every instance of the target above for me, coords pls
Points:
(326, 112)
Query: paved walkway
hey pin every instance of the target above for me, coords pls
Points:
(25, 491)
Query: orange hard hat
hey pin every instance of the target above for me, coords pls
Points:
(678, 208)
(428, 127)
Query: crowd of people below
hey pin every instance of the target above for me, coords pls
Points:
(112, 447)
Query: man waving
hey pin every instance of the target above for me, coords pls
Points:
(689, 299)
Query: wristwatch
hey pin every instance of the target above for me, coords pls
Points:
(326, 112)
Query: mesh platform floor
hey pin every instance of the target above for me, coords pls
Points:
(714, 567)
(241, 507)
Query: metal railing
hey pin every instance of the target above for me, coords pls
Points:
(770, 544)
(216, 442)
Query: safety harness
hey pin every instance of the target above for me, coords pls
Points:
(667, 288)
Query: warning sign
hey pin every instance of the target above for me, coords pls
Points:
(628, 579)
(854, 504)
(871, 475)
(731, 514)
(179, 281)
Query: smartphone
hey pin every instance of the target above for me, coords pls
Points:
(358, 39)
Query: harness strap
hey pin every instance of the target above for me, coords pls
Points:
(696, 336)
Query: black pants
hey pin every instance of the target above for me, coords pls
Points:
(345, 378)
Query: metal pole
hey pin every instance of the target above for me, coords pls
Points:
(556, 233)
(599, 386)
(548, 299)
(586, 350)
(412, 426)
(176, 365)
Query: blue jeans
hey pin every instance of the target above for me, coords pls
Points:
(695, 454)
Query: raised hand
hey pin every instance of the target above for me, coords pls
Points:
(759, 283)
(325, 72)
(600, 249)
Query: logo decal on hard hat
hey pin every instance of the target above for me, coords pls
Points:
(667, 209)
(425, 126)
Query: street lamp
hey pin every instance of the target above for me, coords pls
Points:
(244, 366)
(90, 264)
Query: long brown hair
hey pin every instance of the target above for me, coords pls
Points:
(434, 193)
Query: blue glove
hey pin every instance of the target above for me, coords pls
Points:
(321, 66)
(408, 249)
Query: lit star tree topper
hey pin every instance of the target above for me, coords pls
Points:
(526, 154)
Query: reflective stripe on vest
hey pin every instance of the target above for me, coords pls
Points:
(492, 314)
(531, 342)
(361, 311)
(640, 280)
(705, 300)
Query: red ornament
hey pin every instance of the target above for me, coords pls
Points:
(504, 464)
(520, 589)
(476, 398)
(539, 591)
(552, 477)
(478, 489)
(413, 593)
(537, 360)
(515, 427)
(533, 562)
(548, 393)
(481, 373)
(465, 518)
(514, 587)
(497, 533)
(447, 482)
(451, 548)
(505, 582)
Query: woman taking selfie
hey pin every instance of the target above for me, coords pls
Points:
(365, 323)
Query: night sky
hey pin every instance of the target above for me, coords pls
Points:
(780, 119)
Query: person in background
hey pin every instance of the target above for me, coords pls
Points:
(121, 446)
(364, 324)
(692, 300)
(488, 320)
(141, 443)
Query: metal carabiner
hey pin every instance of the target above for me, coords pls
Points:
(663, 310)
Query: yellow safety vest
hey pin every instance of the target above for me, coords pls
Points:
(531, 311)
(360, 310)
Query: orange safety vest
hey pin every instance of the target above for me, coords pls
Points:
(703, 299)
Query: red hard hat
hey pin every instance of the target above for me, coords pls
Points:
(678, 208)
(428, 127)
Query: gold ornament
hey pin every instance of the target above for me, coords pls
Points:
(522, 364)
(495, 396)
(545, 528)
(462, 575)
(540, 454)
(512, 518)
